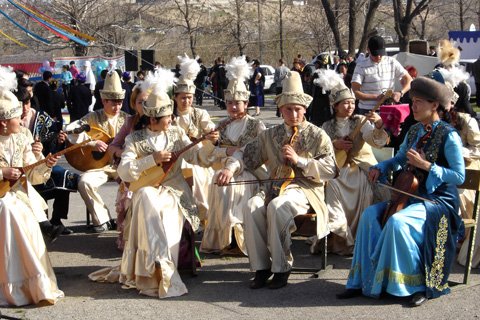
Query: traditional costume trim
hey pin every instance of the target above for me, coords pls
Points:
(435, 276)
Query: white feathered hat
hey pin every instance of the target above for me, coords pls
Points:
(238, 72)
(10, 107)
(331, 81)
(189, 68)
(157, 85)
(292, 92)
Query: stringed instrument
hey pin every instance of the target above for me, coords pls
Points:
(7, 184)
(86, 157)
(406, 182)
(283, 174)
(156, 175)
(343, 157)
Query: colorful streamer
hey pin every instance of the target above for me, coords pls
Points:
(56, 23)
(43, 22)
(13, 39)
(30, 33)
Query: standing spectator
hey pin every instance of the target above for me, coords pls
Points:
(127, 85)
(58, 102)
(257, 80)
(66, 78)
(376, 74)
(80, 99)
(44, 95)
(200, 83)
(476, 76)
(96, 93)
(74, 71)
(219, 81)
(319, 110)
(432, 51)
(140, 76)
(280, 73)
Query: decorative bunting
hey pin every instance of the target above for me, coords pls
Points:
(12, 39)
(30, 33)
(50, 26)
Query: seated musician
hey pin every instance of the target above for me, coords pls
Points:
(26, 275)
(150, 258)
(226, 203)
(195, 122)
(353, 136)
(411, 255)
(62, 181)
(308, 151)
(109, 119)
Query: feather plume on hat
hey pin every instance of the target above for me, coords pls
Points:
(157, 85)
(10, 107)
(454, 75)
(189, 67)
(448, 55)
(329, 80)
(238, 69)
(8, 79)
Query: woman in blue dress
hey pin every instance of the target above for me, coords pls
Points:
(257, 80)
(411, 255)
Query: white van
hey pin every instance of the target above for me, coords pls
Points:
(269, 73)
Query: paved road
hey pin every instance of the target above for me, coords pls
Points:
(220, 290)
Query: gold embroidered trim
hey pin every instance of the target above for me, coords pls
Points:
(435, 277)
(398, 277)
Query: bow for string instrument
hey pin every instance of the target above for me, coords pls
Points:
(156, 175)
(406, 184)
(7, 184)
(283, 175)
(343, 157)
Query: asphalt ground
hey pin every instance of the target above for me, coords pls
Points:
(220, 288)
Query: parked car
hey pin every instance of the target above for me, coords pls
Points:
(268, 72)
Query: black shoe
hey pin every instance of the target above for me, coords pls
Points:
(53, 232)
(112, 224)
(279, 280)
(67, 231)
(349, 293)
(260, 280)
(417, 300)
(101, 228)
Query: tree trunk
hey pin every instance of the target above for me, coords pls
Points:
(352, 22)
(367, 26)
(333, 23)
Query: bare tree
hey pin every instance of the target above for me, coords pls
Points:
(404, 12)
(191, 13)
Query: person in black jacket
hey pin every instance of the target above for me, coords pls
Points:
(80, 98)
(44, 95)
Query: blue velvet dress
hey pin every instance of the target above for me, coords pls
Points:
(415, 249)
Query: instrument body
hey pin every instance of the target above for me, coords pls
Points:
(156, 175)
(343, 157)
(407, 182)
(6, 184)
(86, 157)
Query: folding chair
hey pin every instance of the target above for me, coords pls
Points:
(472, 182)
(307, 227)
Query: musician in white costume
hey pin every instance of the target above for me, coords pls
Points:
(226, 202)
(269, 219)
(150, 257)
(196, 122)
(26, 275)
(109, 119)
(353, 136)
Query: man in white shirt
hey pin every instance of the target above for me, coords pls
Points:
(376, 74)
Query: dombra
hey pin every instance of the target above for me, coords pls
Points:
(7, 185)
(86, 157)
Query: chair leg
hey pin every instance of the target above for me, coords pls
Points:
(88, 217)
(323, 266)
(471, 245)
